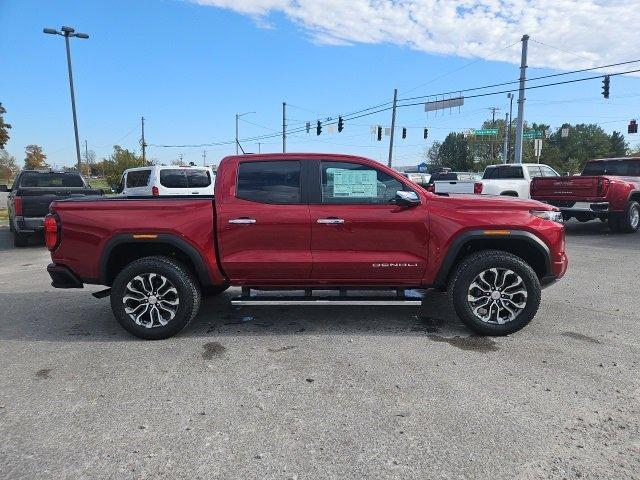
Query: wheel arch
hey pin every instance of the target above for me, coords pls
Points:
(124, 249)
(510, 193)
(634, 196)
(520, 243)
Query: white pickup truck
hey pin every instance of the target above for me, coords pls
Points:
(452, 182)
(512, 179)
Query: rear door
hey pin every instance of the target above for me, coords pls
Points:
(173, 181)
(359, 235)
(264, 227)
(137, 182)
(199, 181)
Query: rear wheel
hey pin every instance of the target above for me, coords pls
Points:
(155, 297)
(20, 239)
(494, 292)
(629, 221)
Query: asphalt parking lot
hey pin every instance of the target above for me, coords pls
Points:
(325, 392)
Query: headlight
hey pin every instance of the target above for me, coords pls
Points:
(553, 215)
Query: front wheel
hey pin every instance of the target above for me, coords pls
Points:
(155, 297)
(494, 292)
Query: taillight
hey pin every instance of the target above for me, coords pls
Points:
(477, 188)
(154, 191)
(17, 206)
(51, 232)
(603, 186)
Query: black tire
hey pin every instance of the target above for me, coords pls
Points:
(629, 221)
(20, 239)
(467, 271)
(188, 296)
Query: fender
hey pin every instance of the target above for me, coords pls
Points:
(166, 238)
(462, 239)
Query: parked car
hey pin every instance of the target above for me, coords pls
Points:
(157, 180)
(421, 179)
(452, 182)
(308, 222)
(31, 194)
(608, 189)
(512, 179)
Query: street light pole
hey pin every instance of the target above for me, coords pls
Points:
(238, 115)
(510, 97)
(67, 32)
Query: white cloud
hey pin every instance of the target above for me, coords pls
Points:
(595, 31)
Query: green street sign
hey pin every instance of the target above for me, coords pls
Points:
(533, 134)
(485, 131)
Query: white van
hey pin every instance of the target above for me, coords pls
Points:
(160, 180)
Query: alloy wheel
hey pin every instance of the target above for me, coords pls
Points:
(151, 300)
(497, 295)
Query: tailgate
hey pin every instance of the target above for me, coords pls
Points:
(453, 186)
(36, 201)
(564, 188)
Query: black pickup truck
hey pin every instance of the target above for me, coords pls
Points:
(32, 193)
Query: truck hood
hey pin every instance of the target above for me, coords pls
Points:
(488, 202)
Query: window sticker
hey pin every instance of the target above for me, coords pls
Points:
(353, 183)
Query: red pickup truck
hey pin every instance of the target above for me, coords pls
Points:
(608, 189)
(311, 223)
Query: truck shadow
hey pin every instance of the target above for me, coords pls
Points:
(67, 319)
(6, 240)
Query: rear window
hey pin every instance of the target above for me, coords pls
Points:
(630, 168)
(34, 179)
(184, 178)
(198, 178)
(269, 182)
(138, 178)
(507, 172)
(436, 177)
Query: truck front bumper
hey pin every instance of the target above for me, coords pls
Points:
(63, 277)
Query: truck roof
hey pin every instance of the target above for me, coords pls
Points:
(297, 156)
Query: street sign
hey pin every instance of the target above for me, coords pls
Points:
(537, 148)
(442, 104)
(532, 134)
(485, 131)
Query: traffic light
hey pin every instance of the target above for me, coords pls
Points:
(318, 128)
(605, 86)
(340, 124)
(633, 127)
(308, 126)
(404, 132)
(425, 133)
(379, 133)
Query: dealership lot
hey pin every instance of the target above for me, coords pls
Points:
(325, 392)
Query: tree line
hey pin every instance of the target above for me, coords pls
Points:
(565, 153)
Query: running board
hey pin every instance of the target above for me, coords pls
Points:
(402, 298)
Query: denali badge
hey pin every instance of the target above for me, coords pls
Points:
(386, 265)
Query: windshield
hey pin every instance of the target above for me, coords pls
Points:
(35, 179)
(630, 168)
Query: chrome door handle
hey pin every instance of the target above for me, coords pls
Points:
(330, 221)
(243, 221)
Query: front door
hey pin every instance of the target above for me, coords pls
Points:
(265, 233)
(359, 235)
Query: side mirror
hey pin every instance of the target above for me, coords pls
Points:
(4, 188)
(407, 199)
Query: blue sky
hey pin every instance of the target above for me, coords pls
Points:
(189, 68)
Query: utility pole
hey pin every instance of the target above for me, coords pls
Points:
(143, 144)
(284, 127)
(505, 149)
(86, 156)
(238, 115)
(523, 78)
(67, 32)
(204, 158)
(510, 97)
(259, 148)
(393, 124)
(493, 125)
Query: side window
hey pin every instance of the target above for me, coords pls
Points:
(548, 172)
(198, 178)
(633, 168)
(276, 182)
(351, 183)
(138, 178)
(534, 172)
(173, 178)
